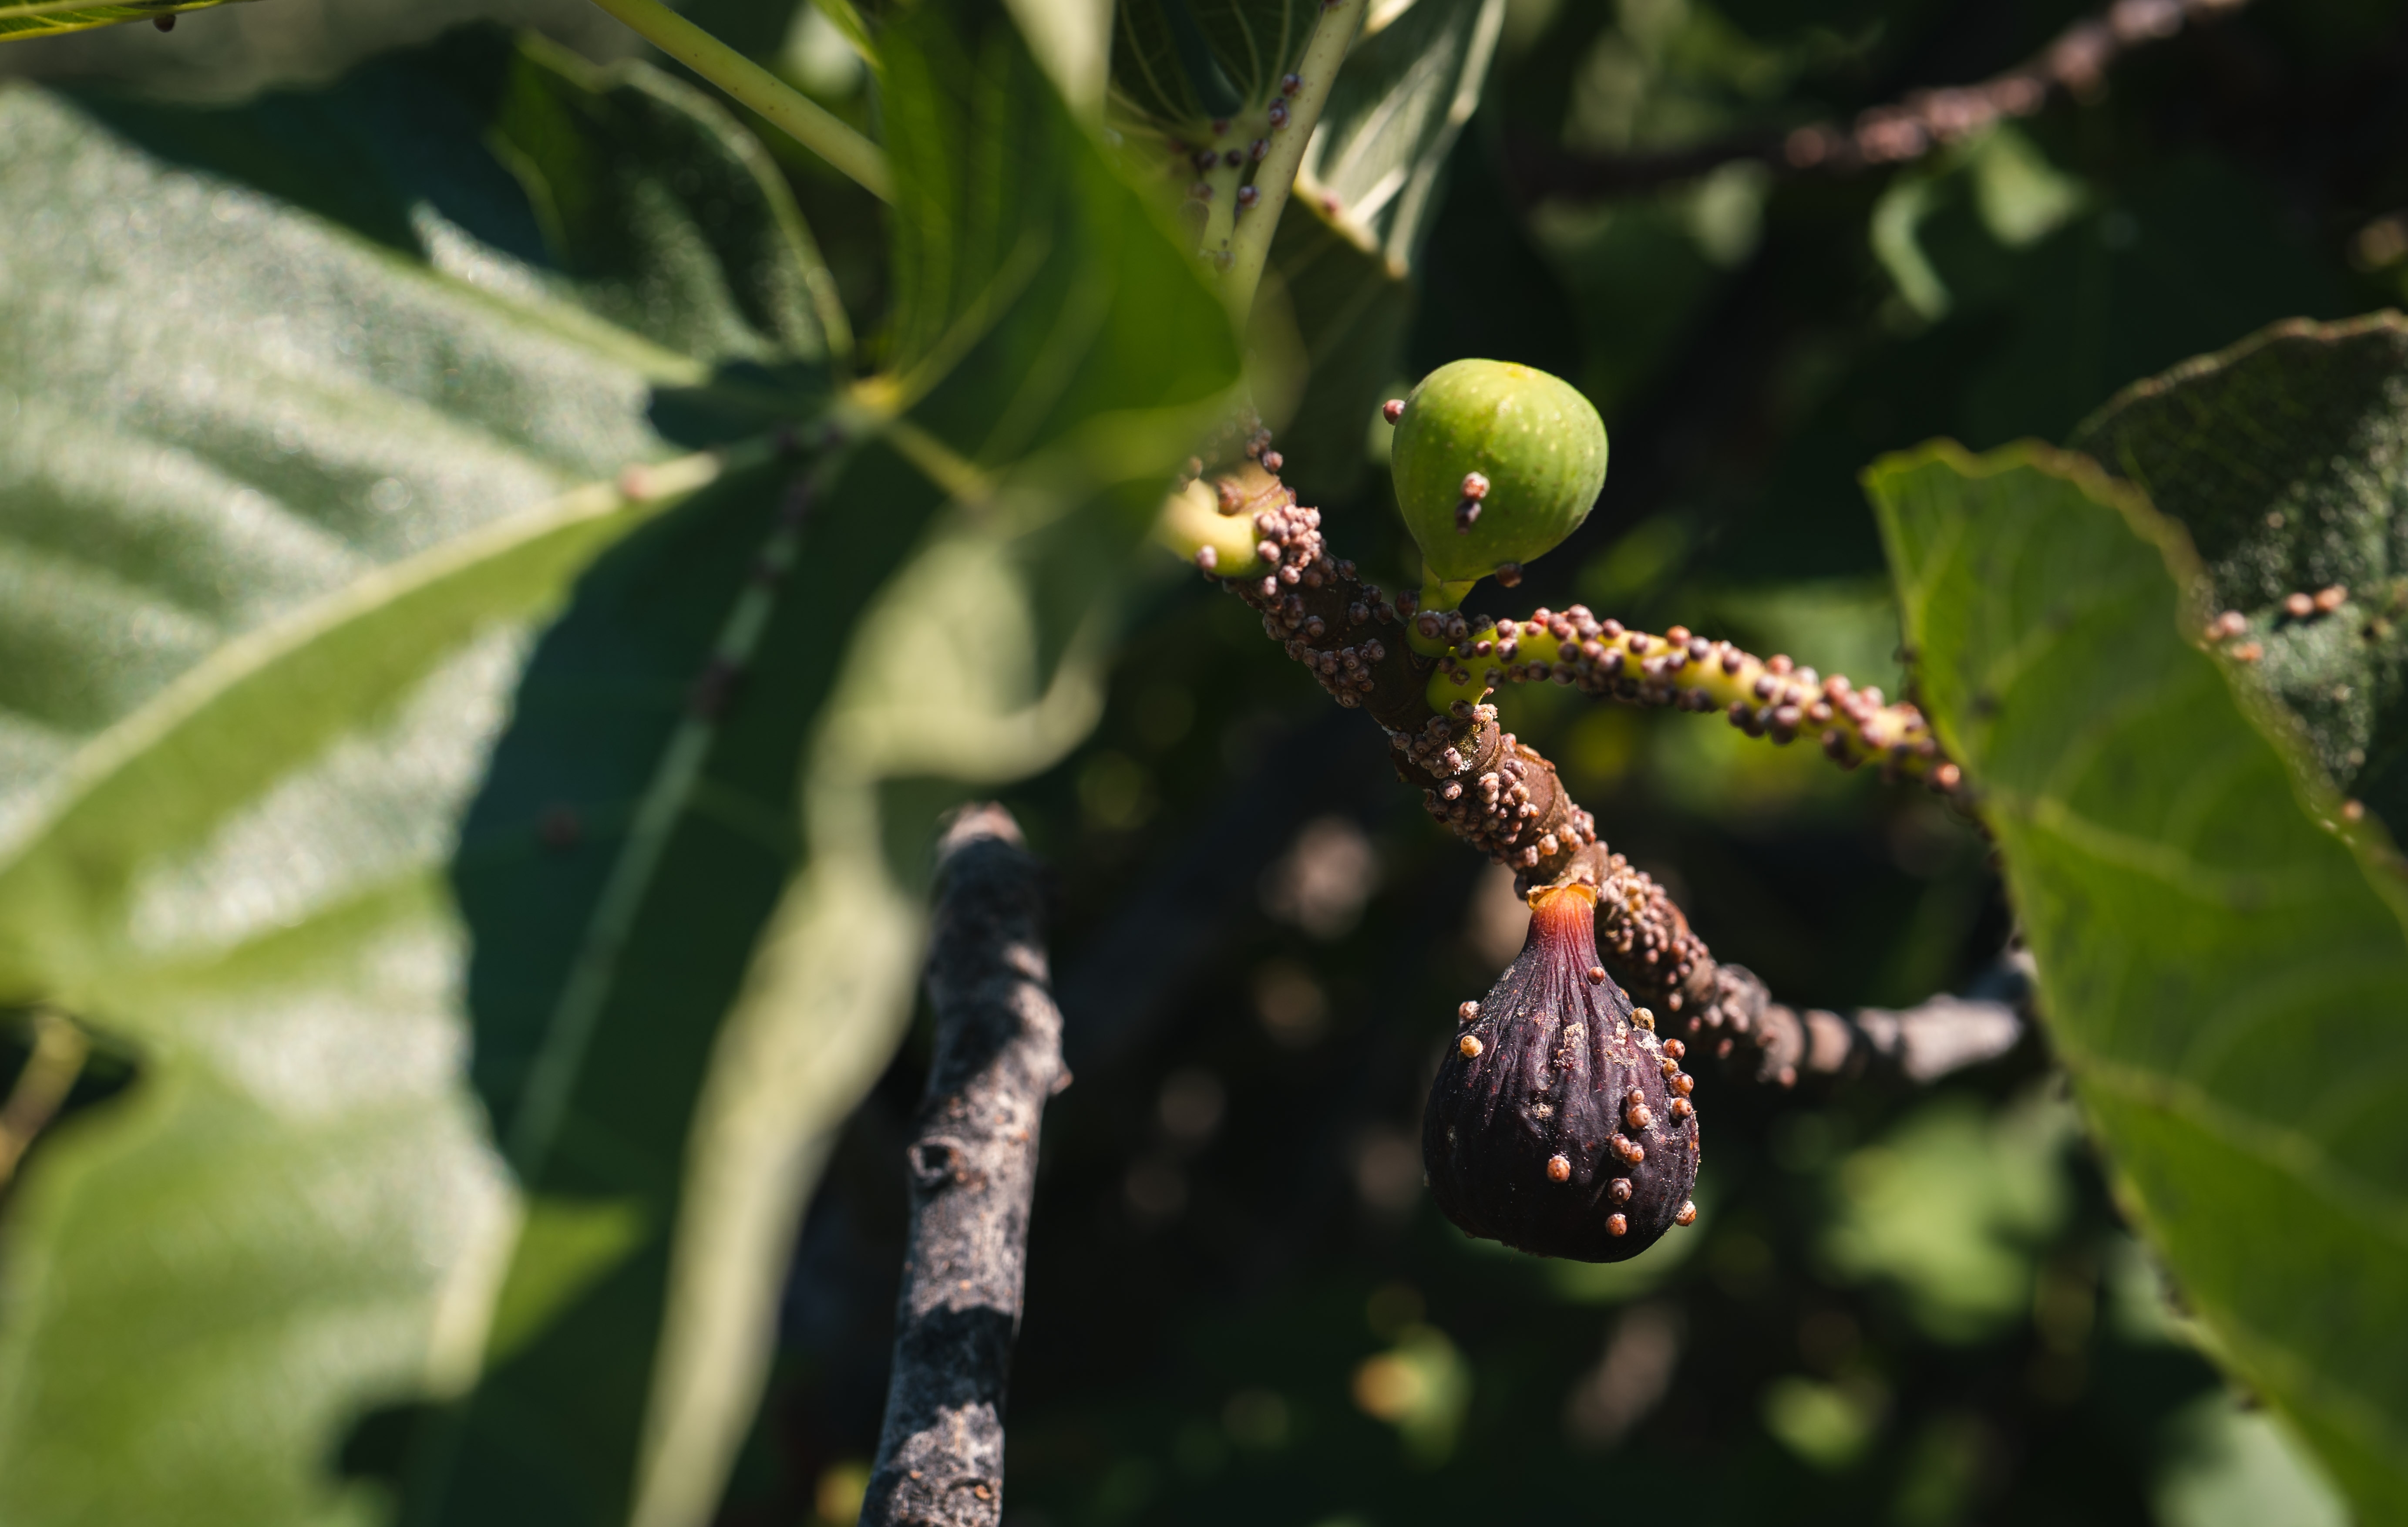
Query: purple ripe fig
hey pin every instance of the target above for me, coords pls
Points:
(1559, 1124)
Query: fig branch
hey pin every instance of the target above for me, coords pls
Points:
(1244, 527)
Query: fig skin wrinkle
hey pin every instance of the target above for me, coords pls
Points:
(1556, 1132)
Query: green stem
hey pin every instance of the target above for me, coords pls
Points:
(1438, 596)
(49, 1073)
(1220, 212)
(754, 86)
(54, 8)
(1249, 245)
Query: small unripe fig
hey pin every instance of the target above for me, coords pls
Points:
(1552, 1125)
(1494, 462)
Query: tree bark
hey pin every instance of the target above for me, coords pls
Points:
(973, 1164)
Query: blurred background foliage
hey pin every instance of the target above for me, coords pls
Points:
(1904, 1308)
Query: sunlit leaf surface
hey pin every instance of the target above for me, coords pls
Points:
(2221, 969)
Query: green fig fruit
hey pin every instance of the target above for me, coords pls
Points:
(1495, 464)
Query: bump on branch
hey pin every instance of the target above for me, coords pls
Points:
(973, 1164)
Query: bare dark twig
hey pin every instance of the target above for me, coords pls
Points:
(2074, 64)
(973, 1164)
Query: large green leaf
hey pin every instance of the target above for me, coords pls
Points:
(2222, 967)
(21, 18)
(2285, 457)
(294, 397)
(1053, 355)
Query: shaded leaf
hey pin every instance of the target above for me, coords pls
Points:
(1948, 1206)
(2285, 457)
(2017, 195)
(2179, 258)
(623, 192)
(1182, 63)
(1393, 116)
(1016, 247)
(2219, 969)
(1350, 315)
